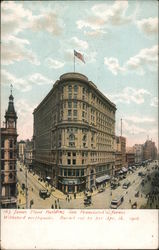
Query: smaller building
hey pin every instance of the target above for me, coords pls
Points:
(138, 150)
(120, 154)
(21, 151)
(130, 158)
(29, 154)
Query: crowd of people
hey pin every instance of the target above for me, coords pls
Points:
(153, 195)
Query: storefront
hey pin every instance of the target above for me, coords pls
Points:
(71, 185)
(102, 180)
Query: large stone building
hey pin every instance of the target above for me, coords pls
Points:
(74, 130)
(149, 150)
(8, 158)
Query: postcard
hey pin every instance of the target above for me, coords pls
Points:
(79, 130)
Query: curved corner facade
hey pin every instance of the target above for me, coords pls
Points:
(74, 131)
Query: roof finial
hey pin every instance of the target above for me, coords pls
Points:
(11, 88)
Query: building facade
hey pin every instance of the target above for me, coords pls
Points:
(120, 153)
(149, 150)
(9, 157)
(21, 151)
(130, 158)
(138, 150)
(74, 131)
(29, 154)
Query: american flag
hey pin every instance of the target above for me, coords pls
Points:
(79, 56)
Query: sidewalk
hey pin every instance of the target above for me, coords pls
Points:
(57, 193)
(21, 199)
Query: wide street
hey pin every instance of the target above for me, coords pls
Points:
(99, 200)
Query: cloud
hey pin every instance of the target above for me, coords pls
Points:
(55, 64)
(148, 25)
(154, 102)
(14, 50)
(132, 128)
(95, 33)
(79, 43)
(103, 14)
(147, 57)
(19, 83)
(113, 65)
(81, 46)
(14, 18)
(137, 119)
(49, 22)
(25, 118)
(24, 84)
(115, 14)
(39, 79)
(129, 95)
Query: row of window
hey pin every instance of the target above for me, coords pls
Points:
(11, 166)
(11, 143)
(10, 176)
(85, 91)
(72, 172)
(11, 155)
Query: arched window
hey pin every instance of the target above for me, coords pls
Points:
(72, 140)
(71, 137)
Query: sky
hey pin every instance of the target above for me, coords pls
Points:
(119, 42)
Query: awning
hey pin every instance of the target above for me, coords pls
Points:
(124, 169)
(102, 178)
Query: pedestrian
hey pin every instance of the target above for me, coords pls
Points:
(70, 198)
(52, 206)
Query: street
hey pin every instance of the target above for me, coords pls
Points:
(99, 200)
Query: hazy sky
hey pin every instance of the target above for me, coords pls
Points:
(118, 40)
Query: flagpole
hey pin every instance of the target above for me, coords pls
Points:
(74, 62)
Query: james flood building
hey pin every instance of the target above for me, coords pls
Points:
(74, 132)
(9, 157)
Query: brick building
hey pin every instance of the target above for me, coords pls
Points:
(74, 130)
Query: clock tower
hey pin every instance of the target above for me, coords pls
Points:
(11, 116)
(8, 193)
